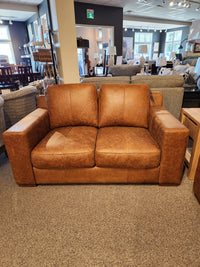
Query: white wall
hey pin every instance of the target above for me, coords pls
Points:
(91, 33)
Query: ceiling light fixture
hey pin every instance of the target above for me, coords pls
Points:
(133, 30)
(1, 21)
(197, 9)
(125, 29)
(160, 30)
(171, 3)
(10, 22)
(179, 3)
(154, 30)
(184, 4)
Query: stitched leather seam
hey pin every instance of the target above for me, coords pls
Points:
(126, 153)
(50, 154)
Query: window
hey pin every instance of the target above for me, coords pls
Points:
(143, 38)
(172, 42)
(6, 45)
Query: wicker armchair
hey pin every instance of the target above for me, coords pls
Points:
(18, 104)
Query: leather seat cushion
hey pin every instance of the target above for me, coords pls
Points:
(66, 147)
(126, 147)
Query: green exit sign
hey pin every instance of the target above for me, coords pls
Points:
(90, 13)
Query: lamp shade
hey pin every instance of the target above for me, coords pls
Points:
(194, 35)
(173, 54)
(197, 67)
(161, 61)
(111, 50)
(142, 49)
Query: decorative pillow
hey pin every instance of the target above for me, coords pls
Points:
(165, 71)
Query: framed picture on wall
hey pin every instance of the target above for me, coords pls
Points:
(155, 55)
(196, 48)
(156, 47)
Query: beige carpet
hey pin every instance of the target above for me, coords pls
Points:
(98, 225)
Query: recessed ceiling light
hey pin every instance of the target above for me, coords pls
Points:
(171, 3)
(125, 29)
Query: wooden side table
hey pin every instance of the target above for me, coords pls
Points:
(190, 117)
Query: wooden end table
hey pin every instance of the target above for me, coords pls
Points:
(190, 117)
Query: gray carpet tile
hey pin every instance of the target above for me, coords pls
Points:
(97, 225)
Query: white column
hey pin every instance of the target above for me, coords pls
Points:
(63, 20)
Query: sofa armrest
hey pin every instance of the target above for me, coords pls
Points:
(171, 136)
(41, 102)
(19, 141)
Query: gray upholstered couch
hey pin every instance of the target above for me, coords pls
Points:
(171, 86)
(124, 70)
(18, 104)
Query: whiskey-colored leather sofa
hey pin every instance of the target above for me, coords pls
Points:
(120, 139)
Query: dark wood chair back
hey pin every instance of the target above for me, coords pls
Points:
(25, 69)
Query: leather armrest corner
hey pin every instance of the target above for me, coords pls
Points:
(172, 136)
(41, 102)
(19, 141)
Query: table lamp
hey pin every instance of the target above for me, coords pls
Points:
(197, 70)
(161, 61)
(173, 56)
(142, 50)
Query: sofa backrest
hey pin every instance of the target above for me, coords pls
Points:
(18, 104)
(98, 81)
(124, 105)
(72, 104)
(171, 86)
(158, 81)
(124, 70)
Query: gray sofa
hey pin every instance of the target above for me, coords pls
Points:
(171, 86)
(18, 104)
(124, 70)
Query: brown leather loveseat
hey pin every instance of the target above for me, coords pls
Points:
(118, 138)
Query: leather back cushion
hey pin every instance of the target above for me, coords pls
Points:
(72, 104)
(124, 105)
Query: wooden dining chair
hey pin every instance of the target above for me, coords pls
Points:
(25, 74)
(6, 71)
